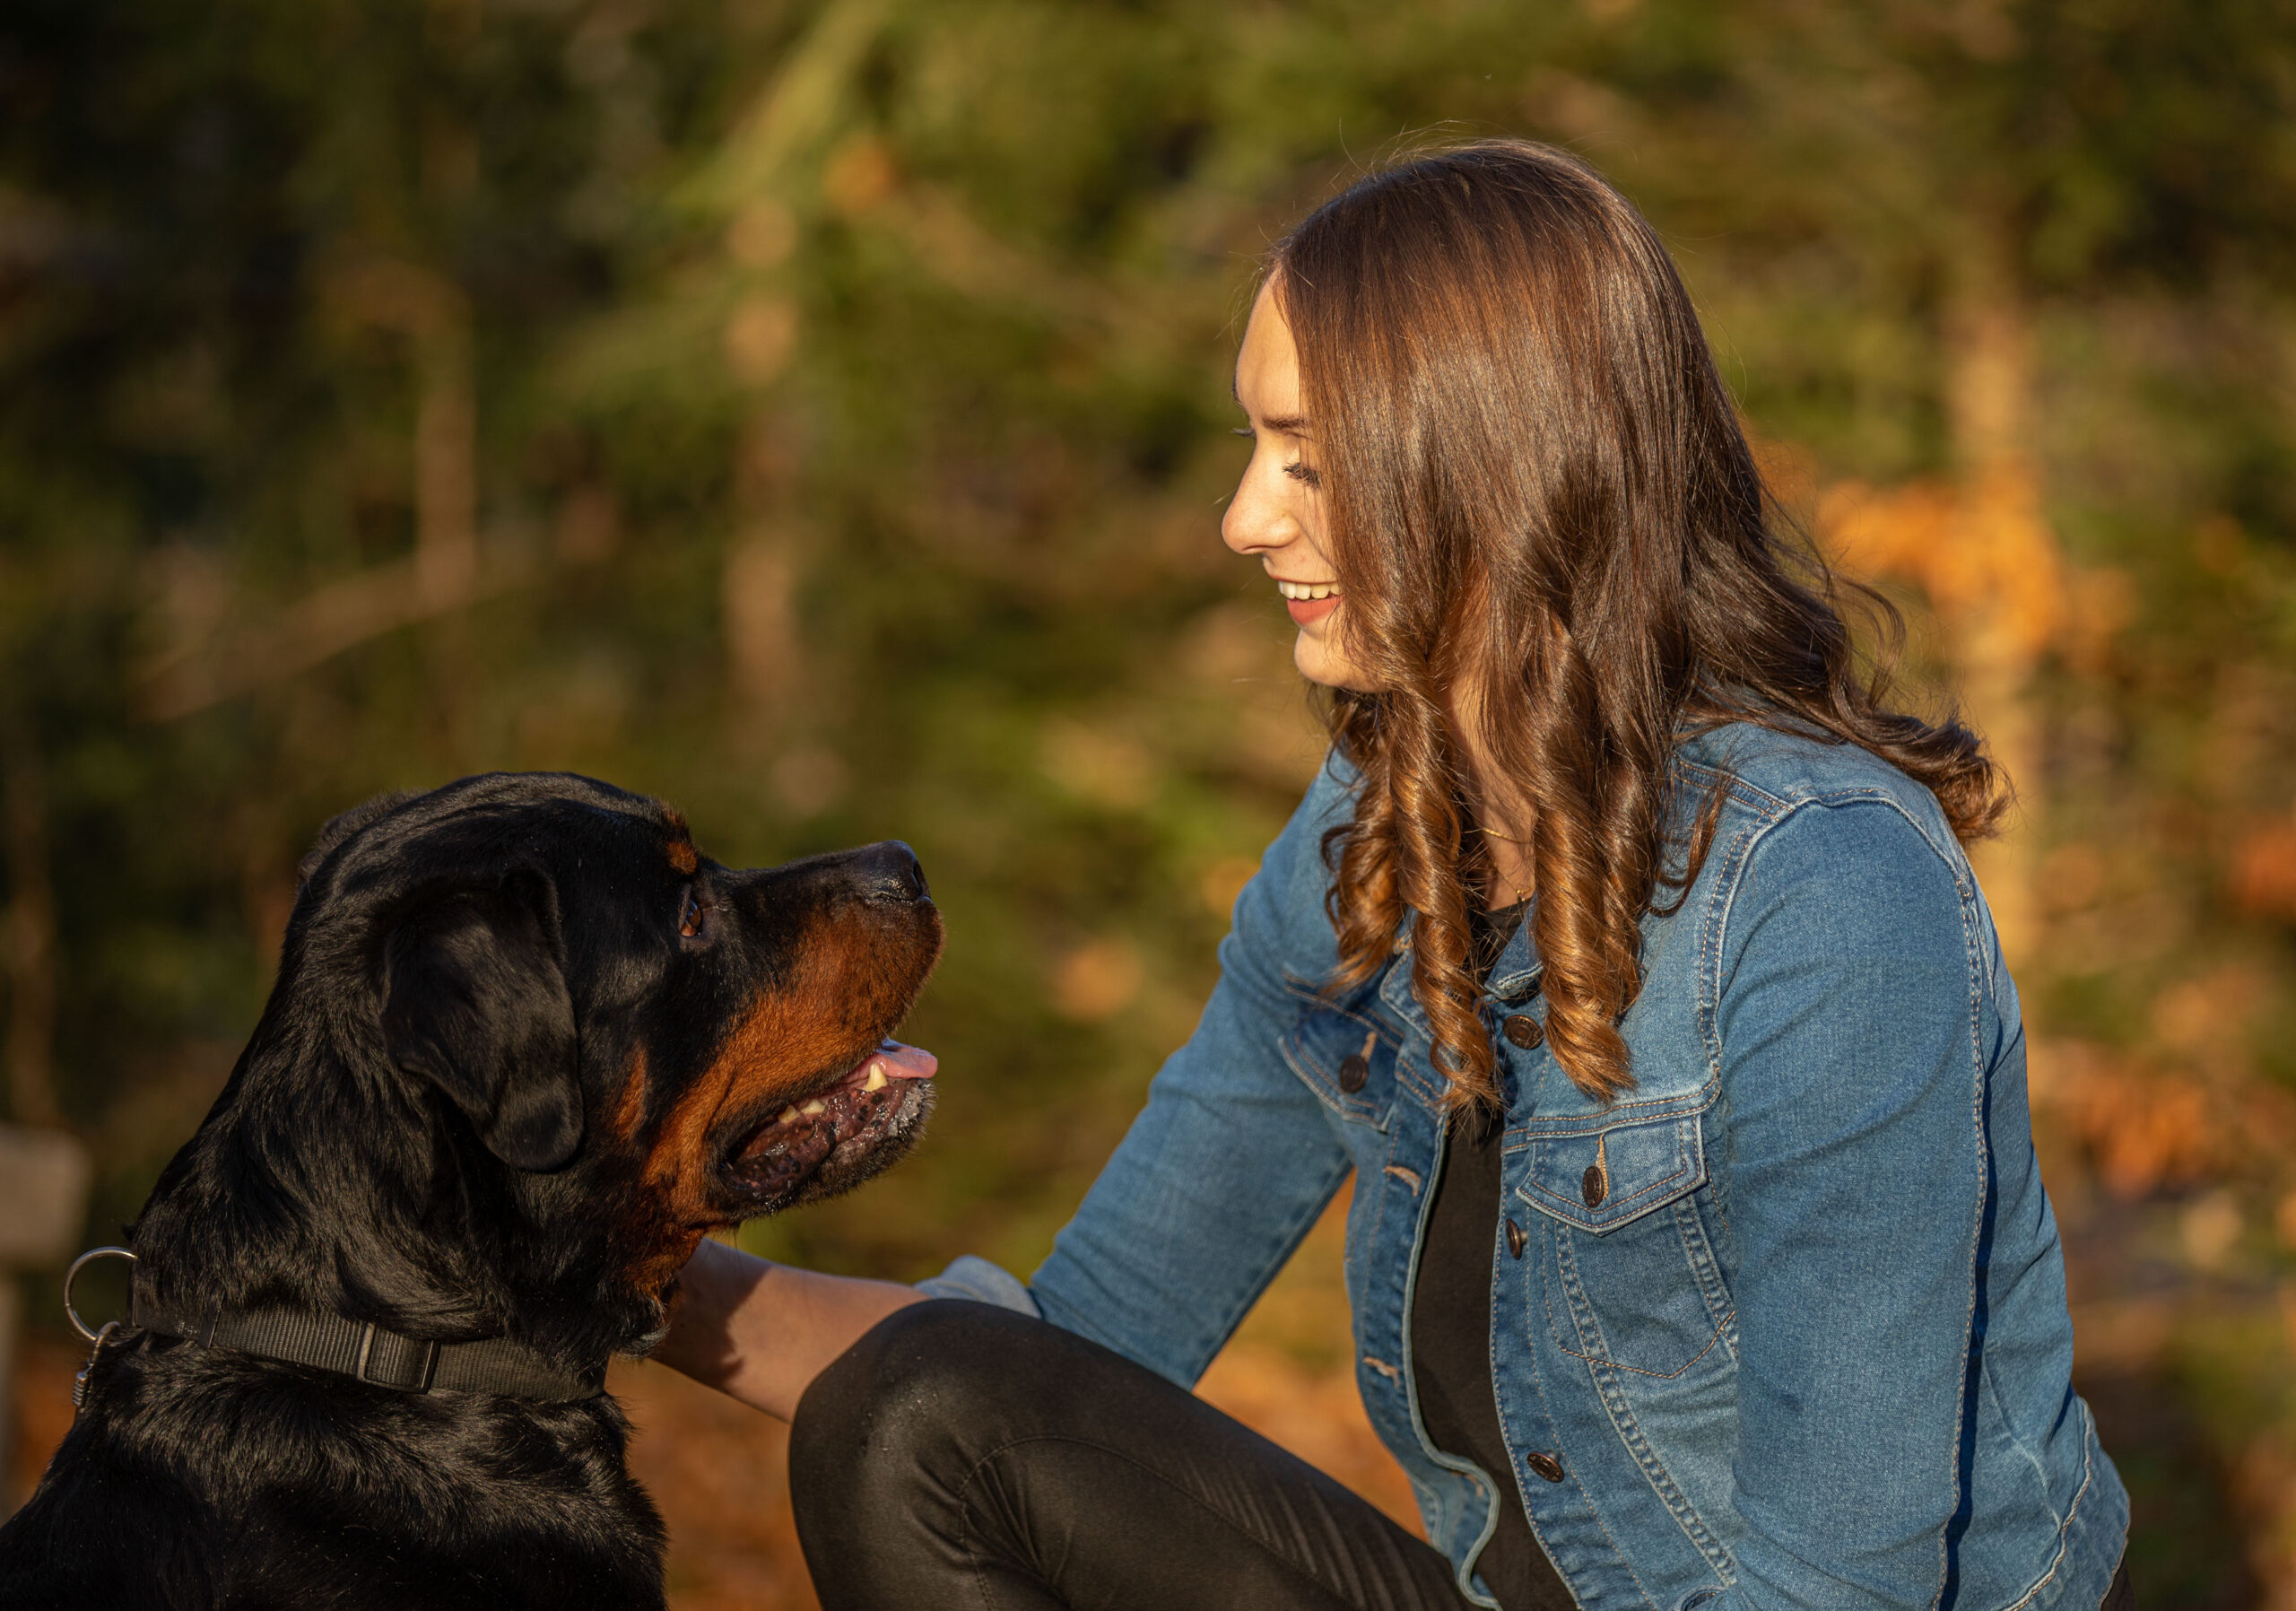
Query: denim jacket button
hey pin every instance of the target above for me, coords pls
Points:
(1355, 1068)
(1545, 1466)
(1515, 1239)
(1594, 1186)
(1524, 1030)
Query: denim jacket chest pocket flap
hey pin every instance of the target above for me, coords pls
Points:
(1627, 1280)
(1345, 1056)
(1600, 1174)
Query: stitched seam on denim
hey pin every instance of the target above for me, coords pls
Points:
(1609, 1539)
(1733, 782)
(1973, 951)
(1231, 1522)
(1987, 1382)
(1714, 937)
(1532, 1520)
(1716, 1264)
(1654, 1471)
(1860, 793)
(1361, 1319)
(1613, 1364)
(1306, 992)
(1680, 1105)
(1319, 1079)
(1705, 1269)
(1593, 1511)
(1395, 990)
(1408, 1077)
(1531, 1426)
(1749, 842)
(2065, 1534)
(1294, 986)
(1955, 863)
(1310, 1074)
(1590, 1332)
(1543, 1200)
(1665, 1186)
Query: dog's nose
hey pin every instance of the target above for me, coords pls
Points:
(890, 871)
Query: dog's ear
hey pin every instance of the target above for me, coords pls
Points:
(343, 824)
(477, 1005)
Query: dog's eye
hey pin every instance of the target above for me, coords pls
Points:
(690, 915)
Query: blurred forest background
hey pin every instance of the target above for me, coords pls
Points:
(815, 414)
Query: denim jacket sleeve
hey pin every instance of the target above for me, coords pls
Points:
(1224, 1170)
(1855, 1028)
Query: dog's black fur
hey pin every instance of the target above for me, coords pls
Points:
(525, 1048)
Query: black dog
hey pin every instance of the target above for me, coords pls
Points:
(526, 1049)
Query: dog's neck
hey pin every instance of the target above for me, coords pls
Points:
(322, 1181)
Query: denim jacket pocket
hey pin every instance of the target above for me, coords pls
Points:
(1347, 1059)
(1599, 1179)
(1628, 1280)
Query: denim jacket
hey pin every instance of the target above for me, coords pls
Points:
(1788, 1324)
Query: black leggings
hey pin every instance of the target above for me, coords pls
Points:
(963, 1455)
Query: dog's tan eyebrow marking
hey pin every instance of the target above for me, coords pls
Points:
(682, 852)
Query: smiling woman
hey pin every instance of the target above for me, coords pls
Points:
(1625, 954)
(1275, 516)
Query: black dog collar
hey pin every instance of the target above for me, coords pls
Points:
(384, 1359)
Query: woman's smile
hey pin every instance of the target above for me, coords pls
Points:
(1277, 514)
(1308, 602)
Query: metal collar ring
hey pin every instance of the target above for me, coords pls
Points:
(73, 1314)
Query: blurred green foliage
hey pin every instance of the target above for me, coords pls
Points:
(814, 413)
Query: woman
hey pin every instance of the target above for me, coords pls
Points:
(1626, 955)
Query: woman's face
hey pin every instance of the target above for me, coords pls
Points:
(1277, 512)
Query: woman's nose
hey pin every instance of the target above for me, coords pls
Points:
(1256, 522)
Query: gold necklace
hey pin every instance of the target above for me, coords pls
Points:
(1521, 894)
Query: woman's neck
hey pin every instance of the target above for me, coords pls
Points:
(1499, 819)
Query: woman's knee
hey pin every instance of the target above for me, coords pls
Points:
(916, 1403)
(884, 1445)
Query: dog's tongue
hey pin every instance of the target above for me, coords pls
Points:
(907, 1062)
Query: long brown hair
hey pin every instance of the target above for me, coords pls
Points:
(1539, 504)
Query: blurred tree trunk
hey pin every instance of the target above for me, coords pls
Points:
(762, 567)
(30, 925)
(2002, 603)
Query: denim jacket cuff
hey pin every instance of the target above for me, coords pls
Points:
(974, 1277)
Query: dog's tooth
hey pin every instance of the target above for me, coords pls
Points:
(876, 1080)
(816, 1106)
(789, 1115)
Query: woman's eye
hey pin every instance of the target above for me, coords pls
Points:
(690, 916)
(1298, 470)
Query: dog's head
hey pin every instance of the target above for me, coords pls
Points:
(567, 1044)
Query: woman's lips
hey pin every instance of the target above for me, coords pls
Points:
(1305, 611)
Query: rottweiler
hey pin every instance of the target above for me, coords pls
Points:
(526, 1046)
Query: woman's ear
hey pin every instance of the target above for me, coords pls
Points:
(477, 1005)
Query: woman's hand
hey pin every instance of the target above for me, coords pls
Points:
(760, 1332)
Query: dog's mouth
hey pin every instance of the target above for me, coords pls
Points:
(818, 1145)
